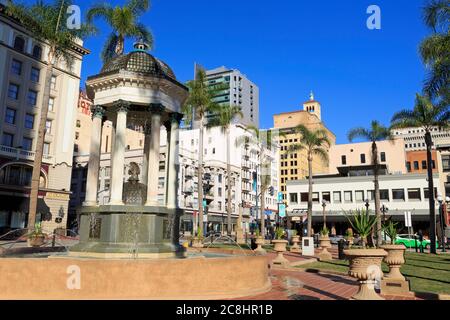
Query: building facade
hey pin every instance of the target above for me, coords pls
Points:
(22, 72)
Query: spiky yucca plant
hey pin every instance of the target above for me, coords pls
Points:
(391, 230)
(362, 222)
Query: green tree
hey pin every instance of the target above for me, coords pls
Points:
(47, 24)
(198, 106)
(377, 132)
(435, 49)
(124, 23)
(315, 143)
(428, 116)
(223, 117)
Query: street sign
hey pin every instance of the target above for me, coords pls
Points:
(204, 203)
(296, 219)
(282, 210)
(268, 212)
(408, 221)
(280, 196)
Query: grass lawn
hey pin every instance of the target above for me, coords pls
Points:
(426, 273)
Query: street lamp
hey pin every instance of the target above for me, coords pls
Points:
(384, 209)
(440, 199)
(324, 205)
(367, 206)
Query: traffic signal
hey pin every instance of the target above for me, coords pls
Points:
(272, 191)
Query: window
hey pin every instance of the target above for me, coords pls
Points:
(78, 124)
(46, 148)
(408, 166)
(370, 195)
(337, 197)
(359, 196)
(344, 160)
(16, 67)
(53, 83)
(10, 116)
(219, 192)
(19, 43)
(13, 91)
(293, 198)
(27, 144)
(348, 196)
(433, 164)
(51, 104)
(414, 194)
(220, 178)
(107, 184)
(37, 52)
(384, 194)
(416, 165)
(77, 135)
(304, 197)
(48, 127)
(446, 163)
(424, 164)
(8, 139)
(363, 158)
(398, 194)
(426, 193)
(29, 121)
(75, 148)
(35, 74)
(315, 197)
(383, 156)
(32, 97)
(326, 196)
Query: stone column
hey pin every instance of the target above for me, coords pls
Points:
(145, 163)
(173, 167)
(118, 155)
(94, 157)
(168, 125)
(153, 156)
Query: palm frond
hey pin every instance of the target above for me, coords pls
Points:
(109, 47)
(138, 7)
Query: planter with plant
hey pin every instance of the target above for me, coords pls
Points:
(396, 253)
(365, 263)
(197, 241)
(259, 242)
(295, 242)
(280, 247)
(325, 243)
(37, 237)
(349, 236)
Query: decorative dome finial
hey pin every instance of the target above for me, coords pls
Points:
(141, 45)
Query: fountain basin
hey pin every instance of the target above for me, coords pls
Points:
(56, 278)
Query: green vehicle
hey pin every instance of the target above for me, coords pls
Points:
(409, 241)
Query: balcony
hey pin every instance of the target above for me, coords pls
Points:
(189, 173)
(246, 164)
(188, 190)
(20, 154)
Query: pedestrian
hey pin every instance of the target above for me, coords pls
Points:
(420, 234)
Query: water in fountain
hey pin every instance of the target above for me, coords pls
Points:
(229, 239)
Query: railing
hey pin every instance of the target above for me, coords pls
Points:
(22, 154)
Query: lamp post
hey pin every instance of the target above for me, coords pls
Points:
(384, 209)
(367, 206)
(324, 205)
(440, 200)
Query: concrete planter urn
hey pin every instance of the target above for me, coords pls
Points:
(280, 248)
(36, 241)
(395, 259)
(295, 244)
(197, 242)
(259, 242)
(365, 265)
(325, 243)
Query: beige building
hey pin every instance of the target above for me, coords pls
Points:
(22, 72)
(294, 166)
(390, 153)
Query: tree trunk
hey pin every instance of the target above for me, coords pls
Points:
(377, 192)
(200, 174)
(120, 45)
(36, 175)
(310, 192)
(229, 203)
(429, 143)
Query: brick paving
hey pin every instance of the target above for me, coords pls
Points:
(296, 284)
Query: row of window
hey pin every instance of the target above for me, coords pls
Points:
(360, 195)
(363, 158)
(27, 143)
(32, 95)
(11, 117)
(16, 69)
(416, 165)
(19, 45)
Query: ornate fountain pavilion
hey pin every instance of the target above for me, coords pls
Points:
(135, 90)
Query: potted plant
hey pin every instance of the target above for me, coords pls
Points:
(325, 243)
(365, 263)
(197, 241)
(396, 253)
(259, 242)
(37, 237)
(349, 236)
(295, 242)
(280, 247)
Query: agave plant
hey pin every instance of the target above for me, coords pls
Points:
(391, 230)
(362, 222)
(257, 232)
(325, 232)
(279, 233)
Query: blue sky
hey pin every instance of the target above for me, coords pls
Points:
(289, 47)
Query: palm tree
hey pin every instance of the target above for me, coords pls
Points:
(223, 117)
(197, 107)
(45, 21)
(316, 143)
(377, 132)
(427, 116)
(434, 49)
(124, 22)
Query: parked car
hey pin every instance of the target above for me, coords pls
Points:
(336, 239)
(409, 241)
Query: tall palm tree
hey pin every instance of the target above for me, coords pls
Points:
(198, 106)
(46, 23)
(434, 49)
(316, 143)
(427, 116)
(124, 23)
(223, 117)
(376, 132)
